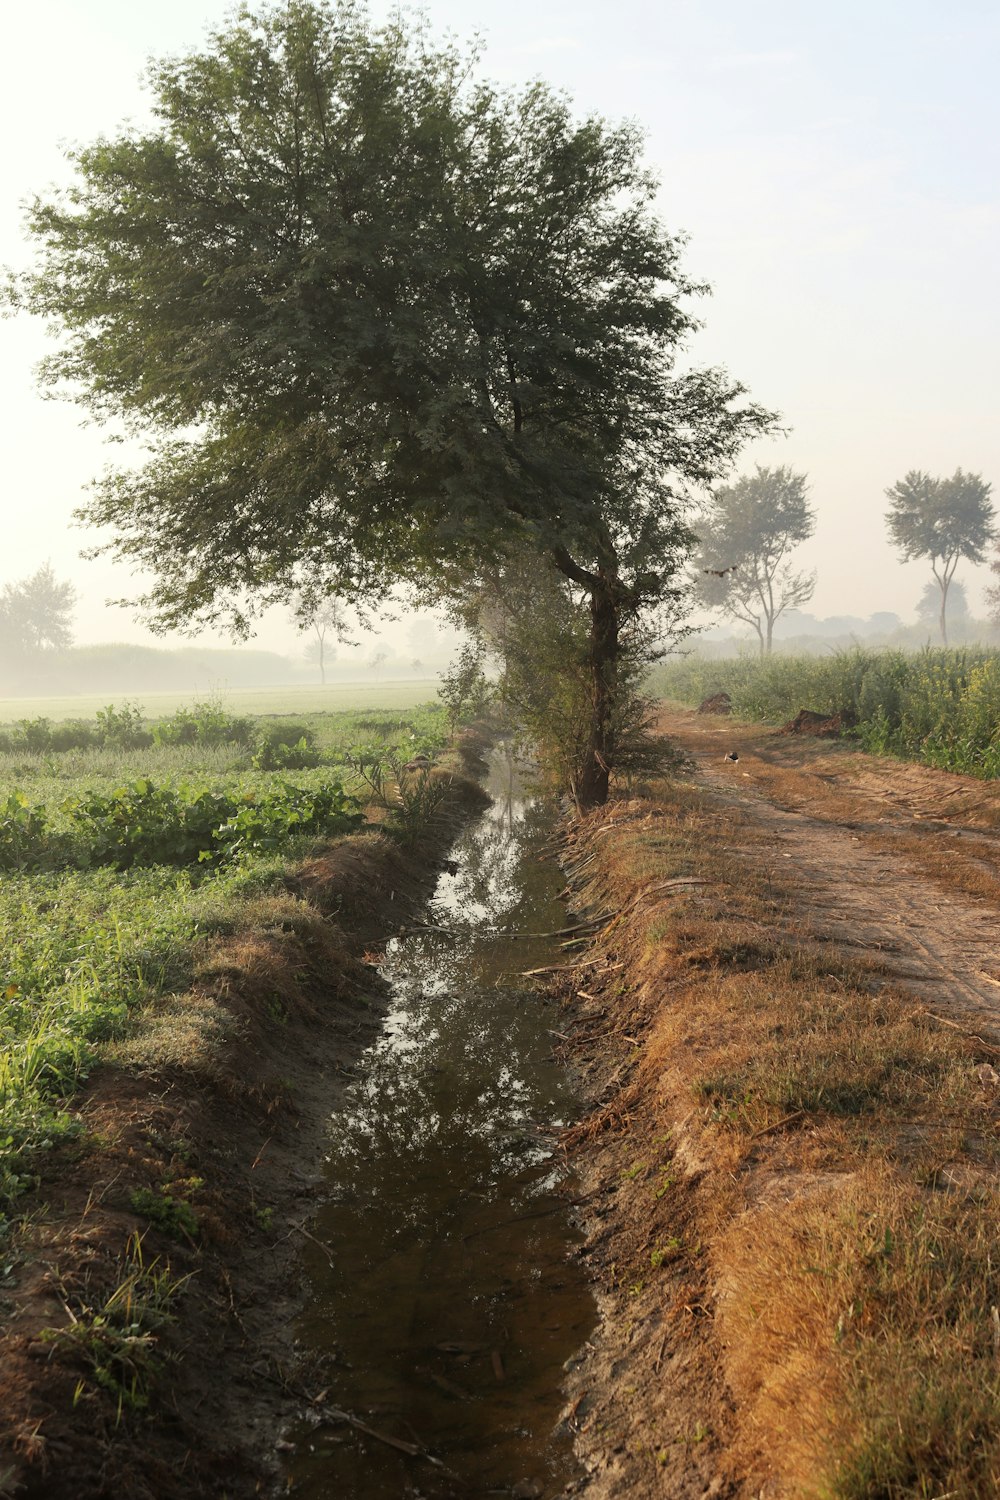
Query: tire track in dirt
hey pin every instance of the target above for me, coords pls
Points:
(856, 888)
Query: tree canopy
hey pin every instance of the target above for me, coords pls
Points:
(378, 321)
(746, 534)
(941, 519)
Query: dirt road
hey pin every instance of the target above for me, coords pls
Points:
(775, 1111)
(898, 860)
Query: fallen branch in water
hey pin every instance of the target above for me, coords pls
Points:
(413, 1450)
(541, 1213)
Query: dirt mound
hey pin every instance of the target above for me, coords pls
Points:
(718, 703)
(807, 721)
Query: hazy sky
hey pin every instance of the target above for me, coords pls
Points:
(836, 169)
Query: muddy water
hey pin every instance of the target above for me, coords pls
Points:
(448, 1302)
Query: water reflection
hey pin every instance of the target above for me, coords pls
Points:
(452, 1304)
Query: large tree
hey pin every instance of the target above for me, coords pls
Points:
(381, 322)
(746, 532)
(944, 520)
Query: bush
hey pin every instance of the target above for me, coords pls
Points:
(205, 723)
(283, 746)
(23, 830)
(122, 728)
(74, 734)
(38, 736)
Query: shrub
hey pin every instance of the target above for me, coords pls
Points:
(123, 728)
(284, 746)
(302, 756)
(204, 723)
(74, 734)
(143, 824)
(23, 830)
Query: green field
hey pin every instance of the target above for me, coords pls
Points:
(120, 855)
(265, 700)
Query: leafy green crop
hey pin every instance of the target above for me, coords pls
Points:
(22, 831)
(145, 824)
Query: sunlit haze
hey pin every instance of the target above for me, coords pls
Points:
(835, 168)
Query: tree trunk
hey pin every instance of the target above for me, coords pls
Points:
(943, 621)
(598, 759)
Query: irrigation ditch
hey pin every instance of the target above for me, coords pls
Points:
(151, 1353)
(357, 1270)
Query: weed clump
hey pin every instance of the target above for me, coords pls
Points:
(113, 1335)
(174, 1216)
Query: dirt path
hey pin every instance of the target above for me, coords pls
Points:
(768, 1093)
(898, 860)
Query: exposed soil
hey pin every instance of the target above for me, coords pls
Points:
(808, 721)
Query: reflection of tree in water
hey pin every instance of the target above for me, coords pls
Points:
(443, 1223)
(490, 886)
(449, 1090)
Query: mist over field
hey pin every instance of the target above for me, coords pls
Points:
(836, 174)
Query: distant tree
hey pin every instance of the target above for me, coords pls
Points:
(943, 519)
(376, 662)
(929, 603)
(325, 618)
(883, 622)
(992, 595)
(746, 533)
(36, 613)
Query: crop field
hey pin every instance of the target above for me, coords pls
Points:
(125, 842)
(940, 707)
(336, 698)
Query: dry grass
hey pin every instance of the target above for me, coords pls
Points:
(820, 1116)
(858, 1315)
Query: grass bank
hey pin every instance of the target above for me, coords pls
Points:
(940, 707)
(795, 1185)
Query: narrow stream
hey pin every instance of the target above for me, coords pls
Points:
(452, 1302)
